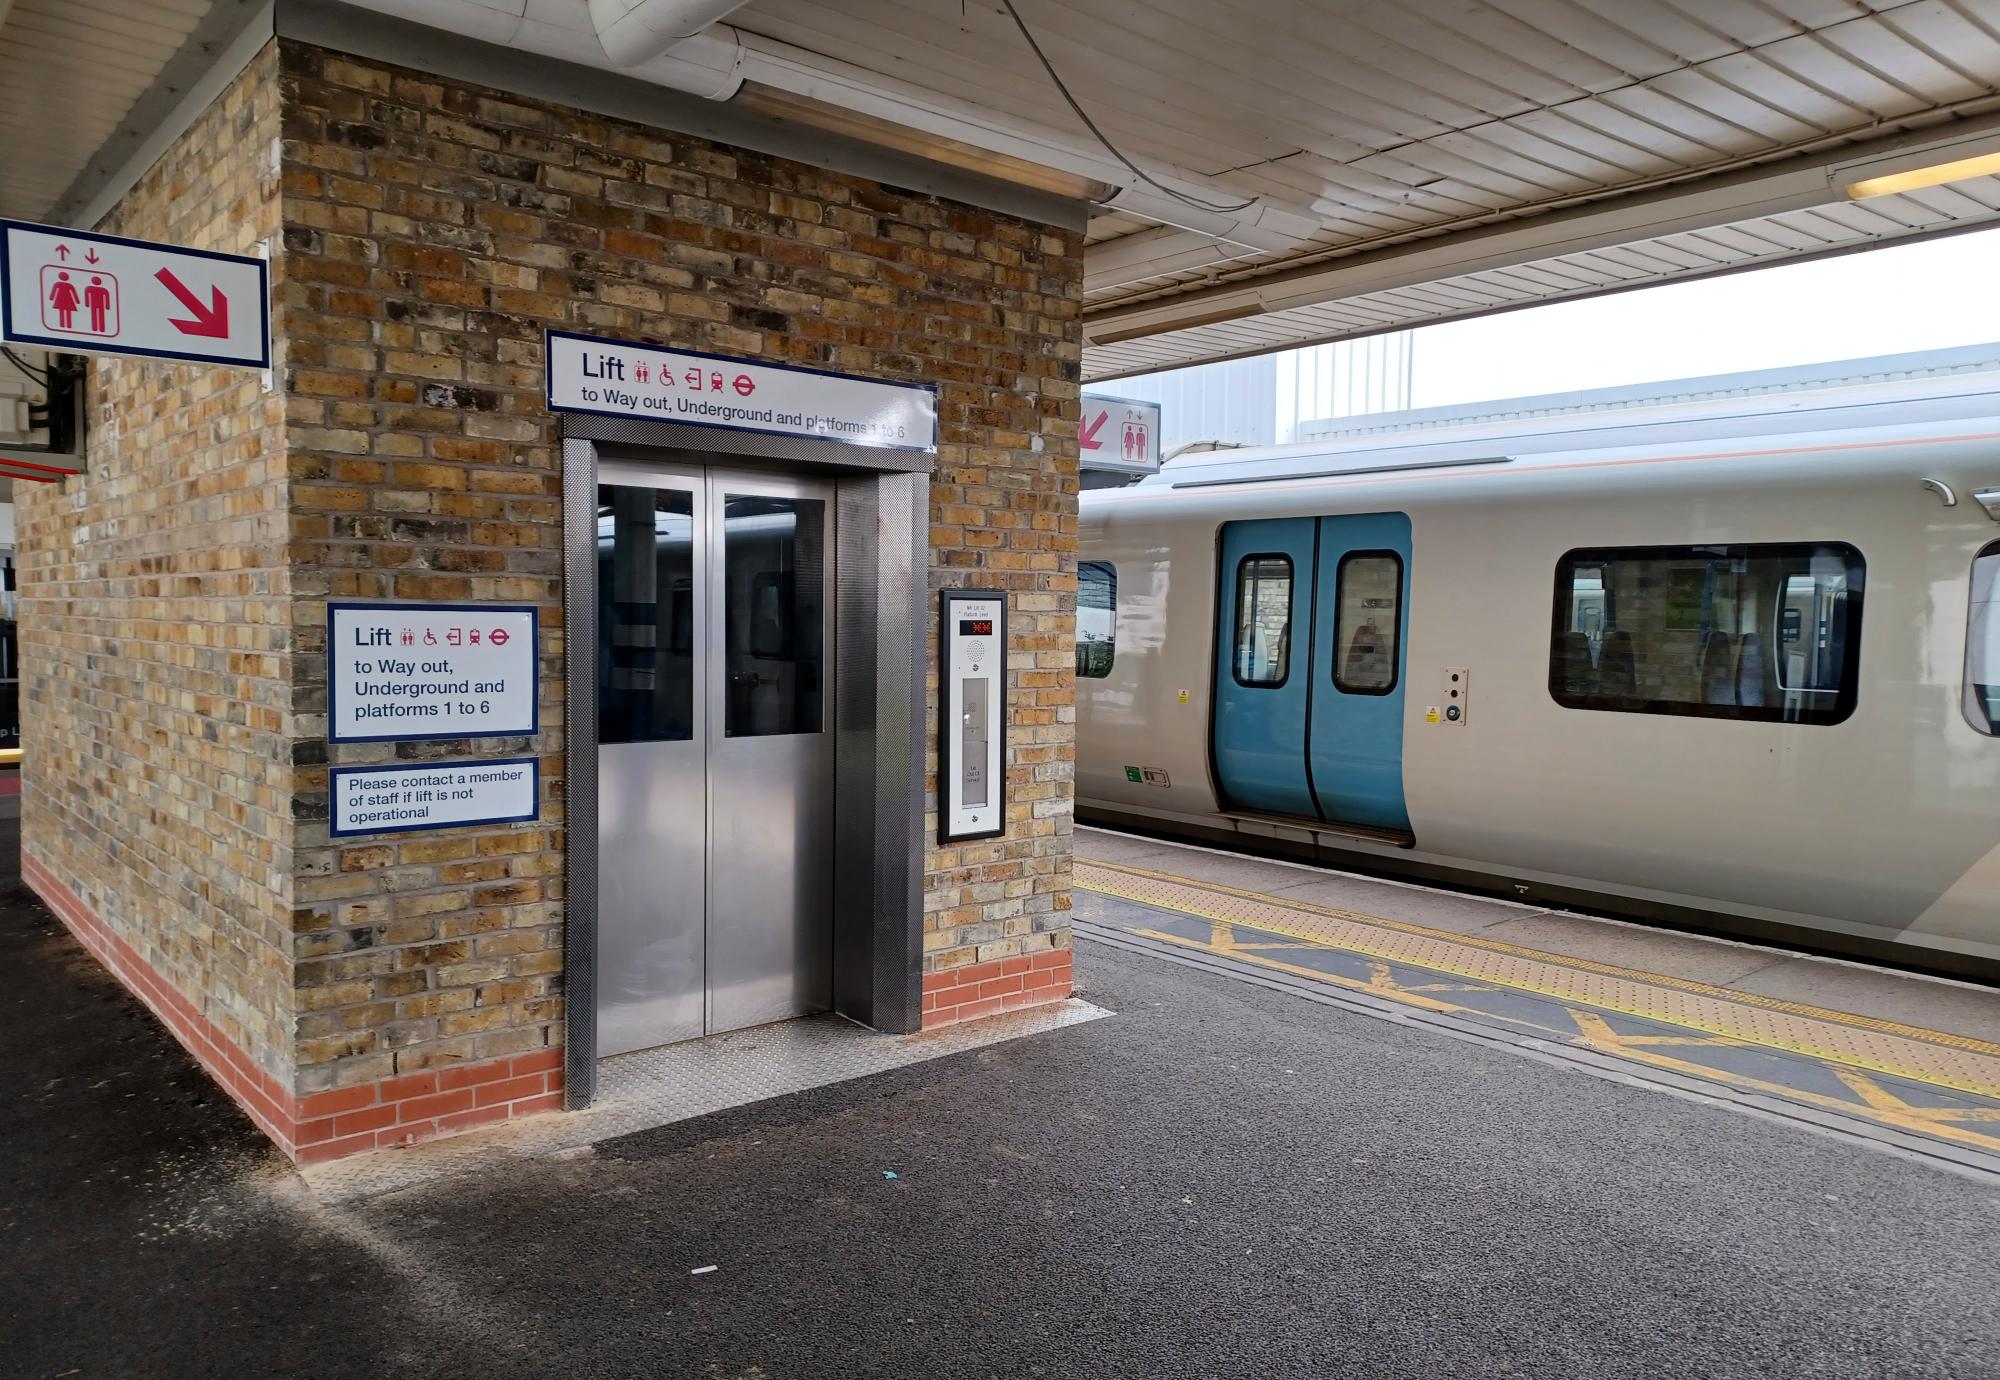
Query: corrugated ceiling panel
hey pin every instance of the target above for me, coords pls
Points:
(70, 70)
(1405, 119)
(1746, 243)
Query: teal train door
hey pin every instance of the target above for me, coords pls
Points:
(1311, 619)
(1355, 738)
(1263, 672)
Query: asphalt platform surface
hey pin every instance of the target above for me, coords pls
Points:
(1217, 1181)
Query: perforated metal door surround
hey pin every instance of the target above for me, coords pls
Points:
(879, 750)
(879, 699)
(579, 774)
(658, 1087)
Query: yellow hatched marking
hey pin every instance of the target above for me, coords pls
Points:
(1927, 1056)
(1298, 970)
(1881, 1104)
(1592, 1030)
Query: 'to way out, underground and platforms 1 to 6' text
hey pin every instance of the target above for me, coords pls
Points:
(431, 671)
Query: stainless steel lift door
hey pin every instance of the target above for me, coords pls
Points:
(770, 758)
(714, 651)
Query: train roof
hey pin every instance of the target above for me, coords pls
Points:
(1920, 402)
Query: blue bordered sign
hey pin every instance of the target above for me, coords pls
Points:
(617, 378)
(434, 795)
(91, 294)
(409, 672)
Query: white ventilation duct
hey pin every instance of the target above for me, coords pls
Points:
(632, 31)
(645, 39)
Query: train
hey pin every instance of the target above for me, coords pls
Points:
(1730, 666)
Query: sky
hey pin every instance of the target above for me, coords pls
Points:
(1923, 296)
(1928, 295)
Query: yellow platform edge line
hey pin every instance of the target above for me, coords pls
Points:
(1820, 1051)
(1691, 985)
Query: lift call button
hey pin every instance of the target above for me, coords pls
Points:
(972, 747)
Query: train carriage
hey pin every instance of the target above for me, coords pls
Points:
(1727, 667)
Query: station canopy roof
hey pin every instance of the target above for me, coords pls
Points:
(1263, 173)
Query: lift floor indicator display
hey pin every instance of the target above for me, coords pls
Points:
(972, 727)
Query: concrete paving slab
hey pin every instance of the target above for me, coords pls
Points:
(1445, 910)
(1124, 848)
(1632, 946)
(1953, 1008)
(1958, 1008)
(1438, 910)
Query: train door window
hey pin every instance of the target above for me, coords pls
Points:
(1096, 618)
(1758, 632)
(1263, 648)
(1368, 598)
(1982, 644)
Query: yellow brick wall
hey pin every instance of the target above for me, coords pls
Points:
(155, 628)
(434, 230)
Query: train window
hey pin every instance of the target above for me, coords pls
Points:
(1770, 633)
(1982, 644)
(1096, 618)
(1368, 596)
(1263, 656)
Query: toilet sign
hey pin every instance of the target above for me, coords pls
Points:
(91, 294)
(1121, 434)
(401, 672)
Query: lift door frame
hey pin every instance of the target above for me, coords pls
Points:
(882, 614)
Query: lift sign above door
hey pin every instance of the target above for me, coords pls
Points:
(615, 378)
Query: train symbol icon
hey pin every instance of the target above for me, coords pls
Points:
(79, 301)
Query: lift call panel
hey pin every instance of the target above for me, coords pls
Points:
(972, 727)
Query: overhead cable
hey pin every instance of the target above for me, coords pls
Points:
(1219, 208)
(24, 367)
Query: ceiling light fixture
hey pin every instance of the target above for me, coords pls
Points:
(1932, 175)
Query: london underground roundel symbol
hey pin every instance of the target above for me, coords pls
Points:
(498, 637)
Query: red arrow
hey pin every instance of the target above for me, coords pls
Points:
(90, 255)
(1086, 435)
(63, 250)
(212, 319)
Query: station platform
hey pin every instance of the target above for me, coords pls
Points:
(1237, 1170)
(1903, 1059)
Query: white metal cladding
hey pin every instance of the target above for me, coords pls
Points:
(70, 71)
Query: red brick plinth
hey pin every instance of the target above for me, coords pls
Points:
(325, 1125)
(1007, 984)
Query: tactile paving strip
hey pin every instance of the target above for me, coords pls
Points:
(1952, 1061)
